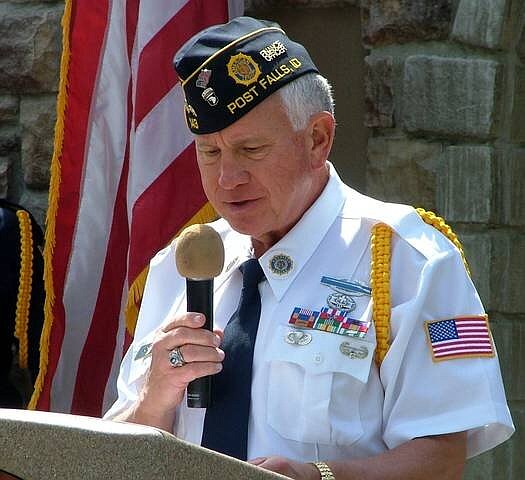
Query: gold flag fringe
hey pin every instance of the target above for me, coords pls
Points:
(53, 206)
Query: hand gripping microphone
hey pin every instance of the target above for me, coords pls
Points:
(200, 257)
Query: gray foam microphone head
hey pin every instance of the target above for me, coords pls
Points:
(200, 252)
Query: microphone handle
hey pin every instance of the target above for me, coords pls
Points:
(199, 295)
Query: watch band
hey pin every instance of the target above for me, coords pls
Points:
(324, 470)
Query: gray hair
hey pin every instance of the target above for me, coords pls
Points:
(306, 96)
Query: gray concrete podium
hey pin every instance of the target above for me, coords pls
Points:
(42, 445)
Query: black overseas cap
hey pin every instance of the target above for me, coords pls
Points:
(228, 69)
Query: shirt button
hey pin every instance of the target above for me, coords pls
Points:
(318, 358)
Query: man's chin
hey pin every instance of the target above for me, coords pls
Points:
(241, 225)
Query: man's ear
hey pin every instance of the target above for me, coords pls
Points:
(321, 129)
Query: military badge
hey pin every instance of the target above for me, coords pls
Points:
(231, 264)
(355, 288)
(144, 351)
(344, 292)
(296, 337)
(341, 300)
(243, 69)
(281, 264)
(353, 352)
(210, 97)
(203, 78)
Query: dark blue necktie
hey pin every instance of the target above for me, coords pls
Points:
(226, 421)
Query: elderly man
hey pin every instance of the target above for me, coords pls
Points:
(336, 276)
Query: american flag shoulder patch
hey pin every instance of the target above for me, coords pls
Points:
(460, 337)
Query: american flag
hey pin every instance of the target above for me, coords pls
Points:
(460, 337)
(124, 181)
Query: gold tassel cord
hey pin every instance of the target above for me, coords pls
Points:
(380, 275)
(380, 285)
(439, 224)
(53, 207)
(23, 301)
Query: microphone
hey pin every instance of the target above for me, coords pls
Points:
(199, 257)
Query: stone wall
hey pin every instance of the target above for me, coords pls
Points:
(30, 42)
(445, 108)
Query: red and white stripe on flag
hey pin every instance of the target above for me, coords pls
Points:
(460, 337)
(124, 182)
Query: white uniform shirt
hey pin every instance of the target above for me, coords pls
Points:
(311, 402)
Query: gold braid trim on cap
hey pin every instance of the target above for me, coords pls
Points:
(380, 285)
(439, 224)
(24, 287)
(226, 47)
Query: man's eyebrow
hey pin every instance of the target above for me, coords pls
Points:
(206, 145)
(249, 139)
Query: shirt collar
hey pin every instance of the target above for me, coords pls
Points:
(299, 244)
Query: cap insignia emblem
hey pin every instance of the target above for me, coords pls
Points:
(273, 51)
(203, 78)
(243, 69)
(210, 96)
(190, 110)
(281, 264)
(191, 116)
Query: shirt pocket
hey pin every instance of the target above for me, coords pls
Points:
(314, 389)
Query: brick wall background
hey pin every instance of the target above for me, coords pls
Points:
(442, 125)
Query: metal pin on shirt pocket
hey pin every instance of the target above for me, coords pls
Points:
(353, 352)
(296, 337)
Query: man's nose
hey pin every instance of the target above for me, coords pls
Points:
(233, 173)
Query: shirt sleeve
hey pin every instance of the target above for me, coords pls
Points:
(163, 291)
(127, 390)
(426, 397)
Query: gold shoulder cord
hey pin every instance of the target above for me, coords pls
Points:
(24, 287)
(380, 285)
(439, 223)
(380, 275)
